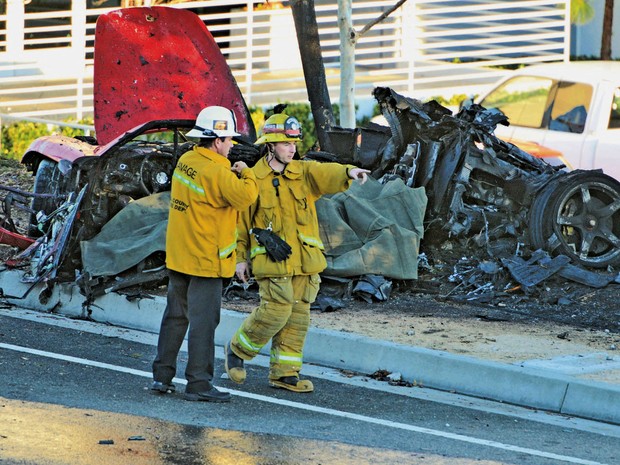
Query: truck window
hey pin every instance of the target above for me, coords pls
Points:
(614, 117)
(523, 99)
(570, 107)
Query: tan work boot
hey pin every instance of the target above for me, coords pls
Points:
(234, 365)
(292, 383)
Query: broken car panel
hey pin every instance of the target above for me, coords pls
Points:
(156, 64)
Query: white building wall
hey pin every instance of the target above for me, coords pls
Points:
(425, 48)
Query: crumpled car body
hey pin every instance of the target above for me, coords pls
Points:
(485, 189)
(148, 69)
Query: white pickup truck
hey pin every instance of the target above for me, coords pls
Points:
(571, 108)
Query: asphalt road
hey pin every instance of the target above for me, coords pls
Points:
(76, 392)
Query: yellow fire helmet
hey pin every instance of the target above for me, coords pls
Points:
(280, 128)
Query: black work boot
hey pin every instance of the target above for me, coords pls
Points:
(163, 388)
(212, 395)
(234, 365)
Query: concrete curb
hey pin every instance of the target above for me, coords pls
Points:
(529, 387)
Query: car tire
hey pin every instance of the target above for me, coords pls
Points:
(541, 230)
(46, 181)
(579, 216)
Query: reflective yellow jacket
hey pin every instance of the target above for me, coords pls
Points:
(291, 212)
(204, 202)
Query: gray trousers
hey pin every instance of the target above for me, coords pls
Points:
(193, 302)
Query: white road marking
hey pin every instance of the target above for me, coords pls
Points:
(313, 408)
(334, 375)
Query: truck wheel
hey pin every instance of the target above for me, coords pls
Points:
(579, 216)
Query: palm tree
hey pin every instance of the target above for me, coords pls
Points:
(608, 19)
(582, 12)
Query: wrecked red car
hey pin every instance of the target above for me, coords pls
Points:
(500, 199)
(151, 80)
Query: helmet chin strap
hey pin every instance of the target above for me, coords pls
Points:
(274, 156)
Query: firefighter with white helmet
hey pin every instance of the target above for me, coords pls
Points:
(206, 195)
(279, 242)
(214, 122)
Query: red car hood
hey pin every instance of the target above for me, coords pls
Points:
(159, 63)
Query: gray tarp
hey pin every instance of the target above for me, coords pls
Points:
(373, 229)
(369, 229)
(133, 234)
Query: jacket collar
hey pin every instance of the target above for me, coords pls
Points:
(211, 155)
(292, 170)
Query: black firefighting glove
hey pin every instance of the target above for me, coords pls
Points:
(276, 247)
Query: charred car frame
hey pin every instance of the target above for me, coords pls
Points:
(479, 188)
(485, 189)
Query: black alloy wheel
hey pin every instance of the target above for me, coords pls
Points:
(579, 216)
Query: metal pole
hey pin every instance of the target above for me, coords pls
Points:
(78, 45)
(347, 64)
(15, 25)
(249, 55)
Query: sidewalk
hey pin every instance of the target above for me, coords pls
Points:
(536, 384)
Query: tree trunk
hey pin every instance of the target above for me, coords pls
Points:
(608, 19)
(347, 64)
(314, 70)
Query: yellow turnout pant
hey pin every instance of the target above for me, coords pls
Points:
(283, 317)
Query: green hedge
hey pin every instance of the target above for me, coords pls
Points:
(16, 137)
(303, 113)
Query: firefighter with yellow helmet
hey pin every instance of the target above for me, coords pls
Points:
(279, 243)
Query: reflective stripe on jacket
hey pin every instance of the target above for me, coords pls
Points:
(204, 202)
(290, 211)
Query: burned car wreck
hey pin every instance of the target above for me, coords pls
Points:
(446, 178)
(483, 187)
(515, 210)
(512, 210)
(522, 219)
(146, 97)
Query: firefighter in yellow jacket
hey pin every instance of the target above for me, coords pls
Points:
(207, 194)
(279, 242)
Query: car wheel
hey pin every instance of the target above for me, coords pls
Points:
(540, 229)
(46, 181)
(579, 216)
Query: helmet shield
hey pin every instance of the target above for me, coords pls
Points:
(214, 122)
(280, 128)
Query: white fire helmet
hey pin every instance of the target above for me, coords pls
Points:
(214, 122)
